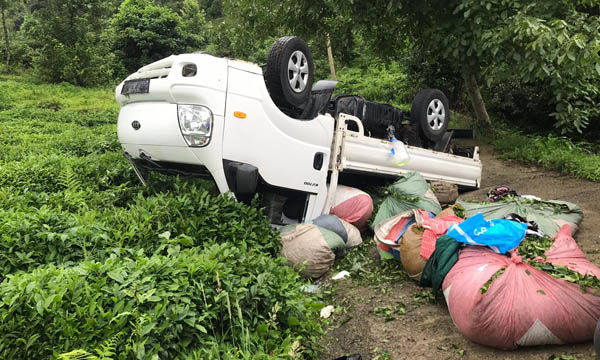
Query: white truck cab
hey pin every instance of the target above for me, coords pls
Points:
(196, 114)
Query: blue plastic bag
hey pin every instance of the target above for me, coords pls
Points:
(500, 235)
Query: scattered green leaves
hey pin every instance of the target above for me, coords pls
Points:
(387, 312)
(486, 286)
(425, 297)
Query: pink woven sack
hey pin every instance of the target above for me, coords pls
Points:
(352, 205)
(523, 306)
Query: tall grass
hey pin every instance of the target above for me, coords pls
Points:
(551, 152)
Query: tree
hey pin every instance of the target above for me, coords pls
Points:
(194, 24)
(546, 40)
(556, 42)
(249, 24)
(3, 7)
(213, 8)
(145, 32)
(69, 41)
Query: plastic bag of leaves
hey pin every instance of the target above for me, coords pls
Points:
(348, 232)
(446, 193)
(544, 292)
(352, 205)
(409, 192)
(550, 215)
(388, 233)
(311, 249)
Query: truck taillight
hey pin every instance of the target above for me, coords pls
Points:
(195, 122)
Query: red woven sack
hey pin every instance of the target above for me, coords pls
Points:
(523, 306)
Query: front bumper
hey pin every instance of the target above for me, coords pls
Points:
(156, 143)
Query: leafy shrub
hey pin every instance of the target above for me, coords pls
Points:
(20, 52)
(30, 237)
(145, 32)
(378, 82)
(72, 200)
(68, 41)
(49, 173)
(18, 92)
(93, 260)
(160, 305)
(41, 116)
(20, 139)
(561, 50)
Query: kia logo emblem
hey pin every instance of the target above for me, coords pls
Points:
(136, 125)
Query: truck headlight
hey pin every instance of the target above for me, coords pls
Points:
(195, 122)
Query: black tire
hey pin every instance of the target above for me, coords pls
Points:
(431, 112)
(279, 77)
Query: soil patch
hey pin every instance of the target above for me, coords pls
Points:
(399, 320)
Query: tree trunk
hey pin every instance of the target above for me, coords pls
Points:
(330, 56)
(6, 42)
(476, 99)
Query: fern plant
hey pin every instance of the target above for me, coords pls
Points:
(106, 351)
(69, 180)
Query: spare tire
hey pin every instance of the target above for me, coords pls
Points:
(290, 72)
(431, 112)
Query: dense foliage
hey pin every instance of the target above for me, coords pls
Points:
(532, 62)
(74, 47)
(145, 32)
(93, 264)
(580, 159)
(463, 45)
(161, 305)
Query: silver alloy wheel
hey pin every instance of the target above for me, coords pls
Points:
(436, 114)
(298, 71)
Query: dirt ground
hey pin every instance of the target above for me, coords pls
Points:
(426, 330)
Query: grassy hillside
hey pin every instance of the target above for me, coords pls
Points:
(93, 262)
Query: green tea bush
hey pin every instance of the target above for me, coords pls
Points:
(157, 306)
(49, 173)
(69, 200)
(43, 114)
(30, 237)
(79, 199)
(18, 92)
(20, 139)
(94, 263)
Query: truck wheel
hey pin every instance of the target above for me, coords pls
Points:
(290, 73)
(431, 112)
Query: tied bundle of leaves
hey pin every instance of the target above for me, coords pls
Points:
(533, 247)
(585, 282)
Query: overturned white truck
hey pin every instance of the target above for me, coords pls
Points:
(272, 132)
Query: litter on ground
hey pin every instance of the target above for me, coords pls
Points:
(341, 275)
(326, 311)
